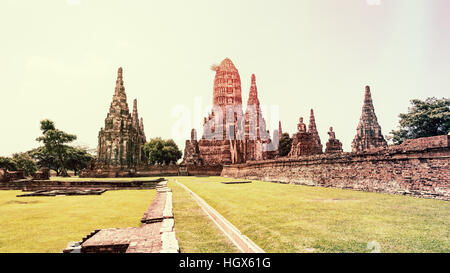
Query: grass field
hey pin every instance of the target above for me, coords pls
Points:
(47, 224)
(195, 232)
(293, 218)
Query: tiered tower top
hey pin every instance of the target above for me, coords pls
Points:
(227, 85)
(368, 133)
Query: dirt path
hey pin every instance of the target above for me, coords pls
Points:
(242, 242)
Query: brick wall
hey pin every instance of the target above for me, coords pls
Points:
(418, 167)
(155, 170)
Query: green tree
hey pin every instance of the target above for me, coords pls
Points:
(162, 151)
(7, 163)
(44, 158)
(77, 159)
(25, 161)
(424, 118)
(285, 144)
(55, 145)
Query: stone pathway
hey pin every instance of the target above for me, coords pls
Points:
(156, 235)
(242, 242)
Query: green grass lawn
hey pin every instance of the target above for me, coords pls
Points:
(194, 230)
(293, 218)
(47, 224)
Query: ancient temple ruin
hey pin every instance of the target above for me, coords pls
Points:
(192, 151)
(333, 145)
(257, 137)
(121, 141)
(306, 142)
(368, 134)
(229, 135)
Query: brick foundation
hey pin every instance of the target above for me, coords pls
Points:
(155, 170)
(155, 235)
(418, 167)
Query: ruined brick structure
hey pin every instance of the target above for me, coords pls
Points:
(120, 142)
(306, 142)
(219, 143)
(280, 130)
(4, 177)
(229, 136)
(333, 145)
(417, 167)
(191, 151)
(256, 134)
(368, 134)
(42, 174)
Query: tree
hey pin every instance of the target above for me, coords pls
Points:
(25, 161)
(162, 151)
(44, 158)
(285, 144)
(76, 159)
(424, 118)
(55, 145)
(7, 163)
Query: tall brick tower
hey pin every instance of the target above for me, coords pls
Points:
(120, 142)
(368, 133)
(229, 136)
(219, 143)
(312, 129)
(255, 125)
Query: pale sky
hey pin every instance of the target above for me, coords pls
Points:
(59, 60)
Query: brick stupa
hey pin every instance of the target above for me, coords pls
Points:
(120, 142)
(333, 146)
(229, 136)
(192, 151)
(368, 134)
(306, 142)
(256, 133)
(218, 144)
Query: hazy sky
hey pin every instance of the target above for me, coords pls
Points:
(59, 61)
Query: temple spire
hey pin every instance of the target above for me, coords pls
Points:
(141, 126)
(312, 128)
(135, 115)
(280, 130)
(119, 102)
(368, 132)
(253, 94)
(119, 83)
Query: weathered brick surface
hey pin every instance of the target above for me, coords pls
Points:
(155, 170)
(16, 175)
(145, 239)
(155, 212)
(306, 142)
(368, 133)
(191, 151)
(234, 137)
(42, 174)
(121, 141)
(154, 236)
(34, 185)
(4, 176)
(333, 145)
(417, 167)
